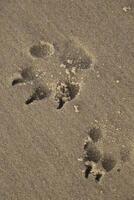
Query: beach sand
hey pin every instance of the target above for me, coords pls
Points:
(66, 100)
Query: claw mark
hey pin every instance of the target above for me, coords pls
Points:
(88, 171)
(65, 91)
(61, 103)
(38, 94)
(98, 176)
(25, 75)
(17, 81)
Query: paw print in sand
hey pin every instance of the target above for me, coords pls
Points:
(71, 57)
(95, 162)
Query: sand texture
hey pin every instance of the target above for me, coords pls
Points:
(66, 99)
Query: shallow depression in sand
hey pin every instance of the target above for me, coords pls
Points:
(92, 153)
(65, 91)
(95, 134)
(108, 162)
(42, 50)
(39, 93)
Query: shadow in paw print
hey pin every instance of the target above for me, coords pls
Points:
(17, 81)
(26, 75)
(91, 153)
(91, 159)
(88, 171)
(98, 176)
(65, 91)
(42, 50)
(95, 134)
(108, 162)
(38, 94)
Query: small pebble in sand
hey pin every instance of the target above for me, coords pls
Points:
(80, 159)
(41, 74)
(82, 78)
(67, 71)
(36, 75)
(87, 163)
(126, 8)
(73, 70)
(76, 108)
(119, 112)
(98, 74)
(117, 81)
(87, 140)
(70, 61)
(63, 66)
(118, 129)
(96, 120)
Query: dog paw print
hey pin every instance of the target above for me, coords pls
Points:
(96, 163)
(72, 57)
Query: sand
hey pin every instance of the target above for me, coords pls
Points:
(66, 100)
